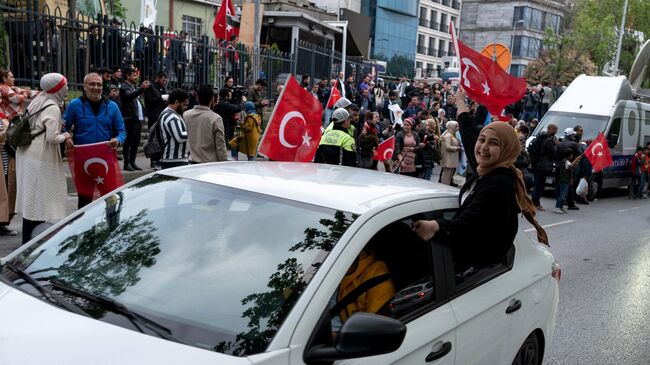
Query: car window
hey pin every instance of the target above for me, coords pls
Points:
(218, 268)
(401, 262)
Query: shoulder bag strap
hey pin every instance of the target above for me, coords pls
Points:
(354, 294)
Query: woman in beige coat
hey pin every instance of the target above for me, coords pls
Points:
(450, 153)
(42, 189)
(7, 185)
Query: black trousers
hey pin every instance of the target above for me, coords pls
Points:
(28, 229)
(132, 141)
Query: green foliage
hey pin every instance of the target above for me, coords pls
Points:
(119, 11)
(399, 65)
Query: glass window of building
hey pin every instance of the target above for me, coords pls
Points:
(192, 25)
(552, 21)
(520, 14)
(441, 48)
(536, 18)
(453, 20)
(444, 27)
(418, 64)
(433, 20)
(517, 70)
(421, 44)
(432, 47)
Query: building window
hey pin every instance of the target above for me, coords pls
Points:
(517, 70)
(444, 25)
(192, 25)
(552, 21)
(535, 19)
(450, 49)
(432, 47)
(526, 47)
(433, 20)
(418, 64)
(441, 48)
(421, 44)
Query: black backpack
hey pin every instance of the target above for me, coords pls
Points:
(19, 132)
(535, 148)
(154, 148)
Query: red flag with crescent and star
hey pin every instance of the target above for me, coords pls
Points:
(294, 131)
(598, 153)
(223, 26)
(95, 169)
(335, 95)
(385, 150)
(485, 81)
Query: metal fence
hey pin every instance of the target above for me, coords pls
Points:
(42, 40)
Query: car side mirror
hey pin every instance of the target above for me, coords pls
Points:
(363, 334)
(612, 140)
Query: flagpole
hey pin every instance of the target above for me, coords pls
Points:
(452, 28)
(275, 107)
(621, 31)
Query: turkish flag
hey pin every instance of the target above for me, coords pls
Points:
(223, 25)
(335, 95)
(485, 81)
(294, 131)
(598, 153)
(95, 169)
(385, 150)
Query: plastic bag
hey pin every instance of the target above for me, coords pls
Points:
(583, 188)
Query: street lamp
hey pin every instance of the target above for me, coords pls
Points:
(512, 39)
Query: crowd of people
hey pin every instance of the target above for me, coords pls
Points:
(205, 125)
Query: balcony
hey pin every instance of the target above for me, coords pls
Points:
(441, 53)
(433, 24)
(445, 2)
(423, 22)
(422, 50)
(432, 52)
(444, 28)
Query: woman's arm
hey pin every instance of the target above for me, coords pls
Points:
(468, 127)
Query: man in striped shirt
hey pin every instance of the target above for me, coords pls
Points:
(173, 130)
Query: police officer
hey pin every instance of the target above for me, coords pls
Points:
(337, 145)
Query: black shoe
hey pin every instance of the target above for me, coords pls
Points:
(574, 208)
(135, 167)
(120, 158)
(128, 167)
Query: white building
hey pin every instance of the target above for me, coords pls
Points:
(435, 49)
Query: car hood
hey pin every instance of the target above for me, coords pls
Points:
(35, 332)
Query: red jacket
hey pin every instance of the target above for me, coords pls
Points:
(641, 158)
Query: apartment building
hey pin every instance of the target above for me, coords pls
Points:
(435, 49)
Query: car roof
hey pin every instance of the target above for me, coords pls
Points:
(350, 189)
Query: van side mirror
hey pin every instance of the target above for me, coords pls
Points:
(363, 334)
(612, 140)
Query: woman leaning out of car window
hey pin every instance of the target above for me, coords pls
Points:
(486, 223)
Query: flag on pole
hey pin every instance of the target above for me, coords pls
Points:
(598, 153)
(294, 131)
(223, 25)
(484, 80)
(335, 95)
(385, 150)
(148, 13)
(95, 169)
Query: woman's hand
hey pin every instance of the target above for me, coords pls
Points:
(426, 229)
(460, 100)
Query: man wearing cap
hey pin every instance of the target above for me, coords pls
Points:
(92, 119)
(337, 146)
(353, 112)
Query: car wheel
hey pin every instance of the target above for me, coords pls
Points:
(528, 353)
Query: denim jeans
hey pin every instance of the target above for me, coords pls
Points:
(426, 173)
(638, 191)
(560, 194)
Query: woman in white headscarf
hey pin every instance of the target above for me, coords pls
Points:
(450, 153)
(40, 174)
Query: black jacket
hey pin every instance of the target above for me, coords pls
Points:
(128, 99)
(227, 111)
(545, 163)
(484, 228)
(153, 102)
(428, 150)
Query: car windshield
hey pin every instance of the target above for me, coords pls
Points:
(217, 268)
(591, 124)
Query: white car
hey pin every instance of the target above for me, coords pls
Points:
(240, 263)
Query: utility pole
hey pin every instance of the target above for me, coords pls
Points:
(621, 31)
(256, 41)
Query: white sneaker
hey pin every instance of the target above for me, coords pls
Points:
(565, 210)
(558, 211)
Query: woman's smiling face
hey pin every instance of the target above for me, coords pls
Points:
(488, 148)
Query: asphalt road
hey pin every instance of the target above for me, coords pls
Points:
(604, 252)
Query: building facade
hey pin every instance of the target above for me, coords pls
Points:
(393, 29)
(519, 25)
(435, 49)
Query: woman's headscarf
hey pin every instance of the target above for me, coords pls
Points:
(452, 126)
(510, 149)
(54, 88)
(249, 108)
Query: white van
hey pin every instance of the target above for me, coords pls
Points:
(603, 104)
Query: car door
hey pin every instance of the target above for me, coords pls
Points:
(489, 306)
(430, 336)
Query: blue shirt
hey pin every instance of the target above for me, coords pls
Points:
(92, 128)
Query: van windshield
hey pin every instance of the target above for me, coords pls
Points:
(592, 124)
